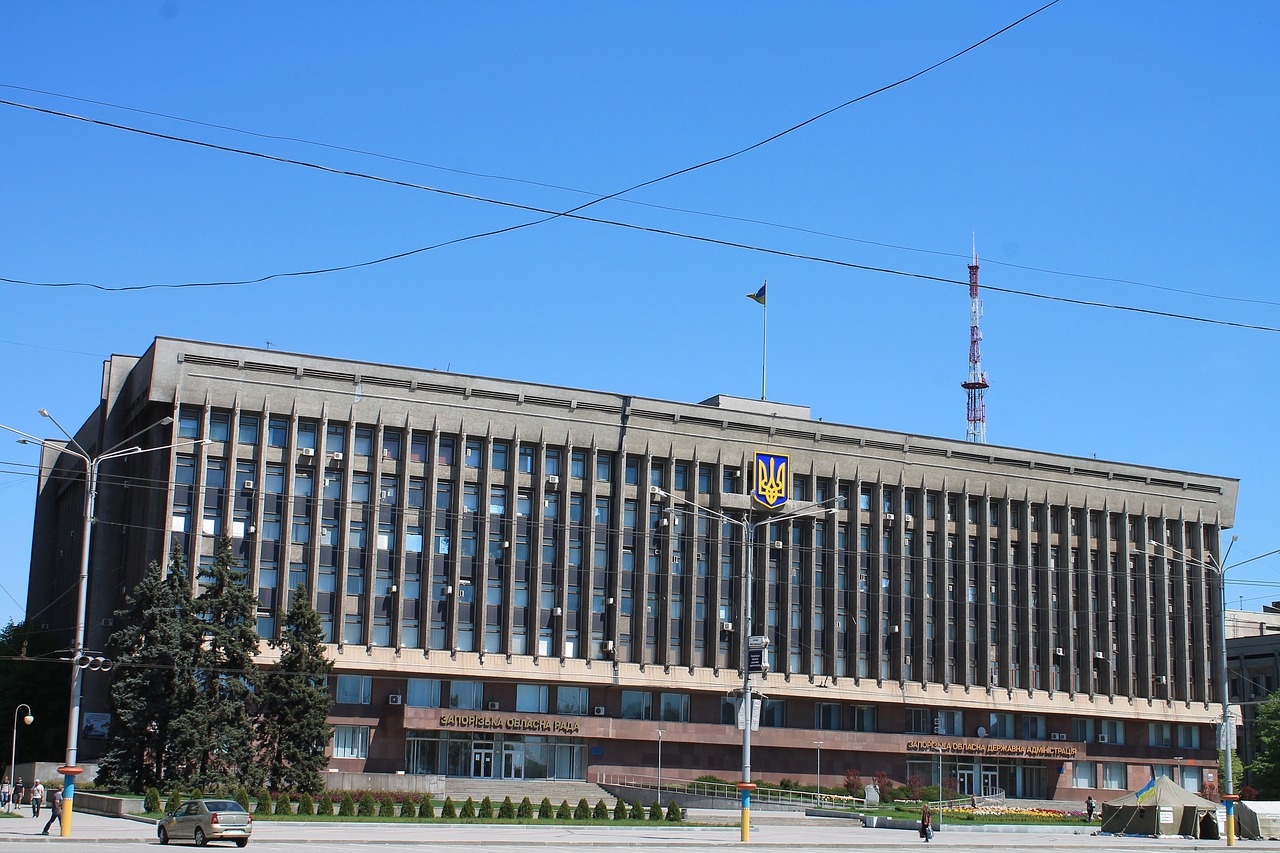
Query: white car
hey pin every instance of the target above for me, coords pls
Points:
(203, 821)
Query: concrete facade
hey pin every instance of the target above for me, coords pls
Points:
(496, 575)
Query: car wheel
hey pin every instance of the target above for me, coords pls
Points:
(164, 835)
(199, 837)
(241, 842)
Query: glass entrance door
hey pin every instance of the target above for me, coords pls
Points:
(990, 784)
(964, 780)
(482, 759)
(513, 761)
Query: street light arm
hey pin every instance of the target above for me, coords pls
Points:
(165, 421)
(45, 414)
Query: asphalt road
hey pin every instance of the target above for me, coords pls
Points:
(772, 834)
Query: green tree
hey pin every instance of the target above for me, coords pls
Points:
(1265, 767)
(153, 686)
(226, 607)
(601, 811)
(294, 702)
(619, 810)
(306, 805)
(525, 810)
(386, 807)
(368, 805)
(348, 806)
(284, 804)
(507, 809)
(674, 814)
(655, 811)
(428, 808)
(637, 811)
(486, 809)
(450, 810)
(324, 805)
(264, 802)
(409, 807)
(151, 803)
(174, 802)
(468, 809)
(545, 812)
(582, 811)
(563, 812)
(242, 797)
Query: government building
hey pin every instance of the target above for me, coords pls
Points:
(523, 581)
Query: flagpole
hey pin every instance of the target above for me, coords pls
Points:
(764, 347)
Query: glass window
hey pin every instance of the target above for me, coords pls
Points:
(553, 462)
(363, 445)
(632, 475)
(578, 464)
(423, 693)
(219, 426)
(532, 698)
(604, 467)
(527, 458)
(472, 456)
(501, 456)
(1114, 776)
(1084, 775)
(350, 741)
(307, 434)
(248, 429)
(637, 705)
(466, 695)
(354, 689)
(188, 423)
(446, 452)
(571, 700)
(335, 438)
(675, 707)
(828, 716)
(278, 432)
(681, 482)
(418, 446)
(392, 444)
(773, 713)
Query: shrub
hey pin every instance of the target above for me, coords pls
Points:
(368, 805)
(450, 810)
(264, 803)
(582, 811)
(655, 811)
(197, 794)
(242, 797)
(428, 808)
(564, 812)
(525, 809)
(348, 806)
(673, 812)
(619, 810)
(885, 785)
(324, 806)
(386, 807)
(507, 809)
(468, 809)
(637, 811)
(853, 783)
(174, 802)
(284, 805)
(915, 786)
(710, 777)
(306, 806)
(151, 803)
(544, 809)
(409, 808)
(486, 809)
(787, 784)
(601, 811)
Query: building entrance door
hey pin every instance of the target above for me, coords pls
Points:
(513, 761)
(482, 759)
(990, 783)
(964, 780)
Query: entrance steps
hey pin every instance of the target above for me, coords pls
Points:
(517, 789)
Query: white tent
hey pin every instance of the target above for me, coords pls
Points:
(1258, 820)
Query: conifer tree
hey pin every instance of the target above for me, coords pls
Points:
(226, 606)
(153, 683)
(294, 703)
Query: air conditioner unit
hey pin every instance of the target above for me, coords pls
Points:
(1058, 651)
(447, 589)
(950, 517)
(247, 485)
(1102, 738)
(308, 451)
(393, 588)
(395, 699)
(727, 627)
(609, 600)
(909, 519)
(494, 706)
(553, 479)
(337, 456)
(606, 646)
(777, 544)
(386, 453)
(557, 611)
(1099, 655)
(1161, 679)
(888, 518)
(598, 710)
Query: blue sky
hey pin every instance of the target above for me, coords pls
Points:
(1129, 143)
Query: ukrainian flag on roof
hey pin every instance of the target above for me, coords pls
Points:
(758, 296)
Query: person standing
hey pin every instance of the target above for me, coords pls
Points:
(19, 791)
(55, 811)
(37, 797)
(6, 791)
(1089, 808)
(926, 823)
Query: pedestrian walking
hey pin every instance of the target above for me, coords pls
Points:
(55, 811)
(926, 823)
(1089, 808)
(6, 791)
(19, 793)
(37, 797)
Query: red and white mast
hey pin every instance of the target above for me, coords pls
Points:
(976, 385)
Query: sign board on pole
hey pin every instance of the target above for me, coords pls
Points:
(757, 641)
(756, 661)
(755, 715)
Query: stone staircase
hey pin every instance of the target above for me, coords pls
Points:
(534, 789)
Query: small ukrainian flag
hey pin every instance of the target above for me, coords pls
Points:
(758, 296)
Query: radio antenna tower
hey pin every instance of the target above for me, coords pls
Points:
(976, 385)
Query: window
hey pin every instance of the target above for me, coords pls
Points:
(354, 689)
(1082, 730)
(501, 456)
(350, 741)
(423, 693)
(864, 718)
(1001, 725)
(335, 438)
(392, 444)
(604, 467)
(418, 446)
(446, 452)
(681, 482)
(527, 458)
(307, 434)
(553, 462)
(278, 432)
(637, 705)
(1160, 734)
(466, 695)
(472, 455)
(828, 716)
(632, 475)
(1189, 737)
(1112, 730)
(363, 444)
(571, 700)
(248, 429)
(531, 698)
(1114, 776)
(675, 707)
(773, 713)
(1033, 727)
(1084, 775)
(705, 475)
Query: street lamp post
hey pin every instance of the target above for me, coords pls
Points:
(660, 733)
(92, 464)
(1178, 759)
(818, 769)
(1224, 687)
(748, 528)
(27, 719)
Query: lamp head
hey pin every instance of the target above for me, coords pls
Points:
(44, 413)
(28, 719)
(166, 421)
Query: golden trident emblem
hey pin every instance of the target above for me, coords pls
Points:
(772, 480)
